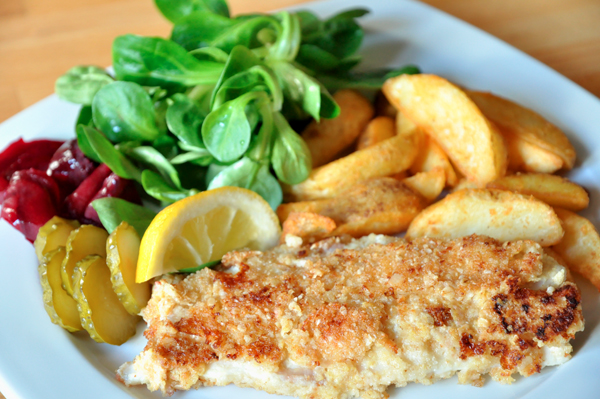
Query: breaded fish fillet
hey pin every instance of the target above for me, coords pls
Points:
(347, 318)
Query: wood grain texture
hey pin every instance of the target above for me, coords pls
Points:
(41, 39)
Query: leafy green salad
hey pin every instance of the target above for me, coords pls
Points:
(219, 103)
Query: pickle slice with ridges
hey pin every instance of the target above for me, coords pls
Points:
(61, 308)
(84, 241)
(101, 312)
(52, 235)
(122, 250)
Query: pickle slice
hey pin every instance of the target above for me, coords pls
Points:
(61, 308)
(122, 250)
(84, 241)
(52, 235)
(101, 312)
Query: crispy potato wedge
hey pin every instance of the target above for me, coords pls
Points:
(446, 113)
(431, 156)
(503, 215)
(464, 184)
(381, 206)
(580, 247)
(307, 225)
(383, 106)
(400, 176)
(428, 184)
(527, 157)
(553, 190)
(404, 126)
(379, 129)
(329, 137)
(389, 157)
(284, 211)
(526, 124)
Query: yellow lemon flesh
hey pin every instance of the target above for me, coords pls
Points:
(204, 227)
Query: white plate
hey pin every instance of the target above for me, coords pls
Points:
(40, 360)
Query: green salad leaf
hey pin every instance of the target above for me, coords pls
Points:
(250, 174)
(81, 83)
(108, 154)
(156, 186)
(291, 157)
(152, 61)
(184, 119)
(113, 211)
(226, 130)
(256, 78)
(151, 158)
(364, 80)
(215, 103)
(123, 111)
(84, 144)
(175, 10)
(245, 33)
(200, 29)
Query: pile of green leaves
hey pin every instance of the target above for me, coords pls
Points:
(212, 105)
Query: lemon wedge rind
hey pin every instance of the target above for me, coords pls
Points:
(203, 227)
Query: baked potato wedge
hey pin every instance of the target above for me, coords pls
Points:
(503, 215)
(580, 247)
(381, 206)
(430, 156)
(525, 123)
(448, 115)
(379, 129)
(429, 184)
(328, 137)
(386, 158)
(527, 157)
(307, 225)
(554, 190)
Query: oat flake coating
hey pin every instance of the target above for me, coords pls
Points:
(346, 318)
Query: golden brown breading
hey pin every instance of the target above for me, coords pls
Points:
(345, 318)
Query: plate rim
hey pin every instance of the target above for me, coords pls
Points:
(22, 390)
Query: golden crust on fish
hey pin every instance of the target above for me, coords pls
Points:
(346, 318)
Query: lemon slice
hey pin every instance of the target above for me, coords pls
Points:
(204, 227)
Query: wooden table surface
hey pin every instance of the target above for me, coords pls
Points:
(41, 39)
